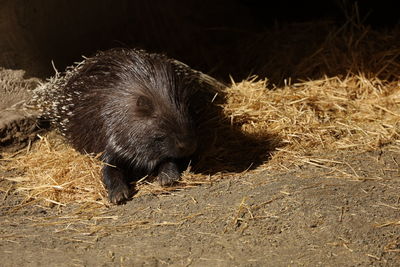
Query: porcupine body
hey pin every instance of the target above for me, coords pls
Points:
(134, 107)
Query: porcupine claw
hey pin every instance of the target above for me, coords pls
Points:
(119, 193)
(168, 173)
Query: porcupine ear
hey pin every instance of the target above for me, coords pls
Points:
(144, 106)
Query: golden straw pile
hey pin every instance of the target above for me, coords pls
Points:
(262, 127)
(327, 114)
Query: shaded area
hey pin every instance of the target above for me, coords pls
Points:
(18, 127)
(224, 146)
(312, 50)
(239, 38)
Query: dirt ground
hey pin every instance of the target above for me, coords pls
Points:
(309, 216)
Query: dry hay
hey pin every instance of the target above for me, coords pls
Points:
(320, 115)
(54, 172)
(327, 114)
(260, 126)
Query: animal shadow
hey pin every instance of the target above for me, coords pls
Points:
(223, 146)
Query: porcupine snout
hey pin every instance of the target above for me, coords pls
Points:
(186, 145)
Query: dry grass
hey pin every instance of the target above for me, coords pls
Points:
(328, 114)
(54, 172)
(262, 127)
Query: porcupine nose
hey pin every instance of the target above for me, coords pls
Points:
(186, 146)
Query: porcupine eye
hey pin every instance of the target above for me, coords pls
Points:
(144, 106)
(159, 138)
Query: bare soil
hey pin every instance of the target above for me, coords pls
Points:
(303, 217)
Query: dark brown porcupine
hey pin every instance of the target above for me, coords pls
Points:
(134, 107)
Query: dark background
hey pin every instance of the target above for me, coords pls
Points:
(219, 37)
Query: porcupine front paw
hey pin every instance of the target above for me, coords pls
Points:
(118, 189)
(119, 193)
(168, 173)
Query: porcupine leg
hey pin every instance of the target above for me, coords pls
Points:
(116, 184)
(168, 173)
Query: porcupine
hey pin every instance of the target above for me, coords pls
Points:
(132, 106)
